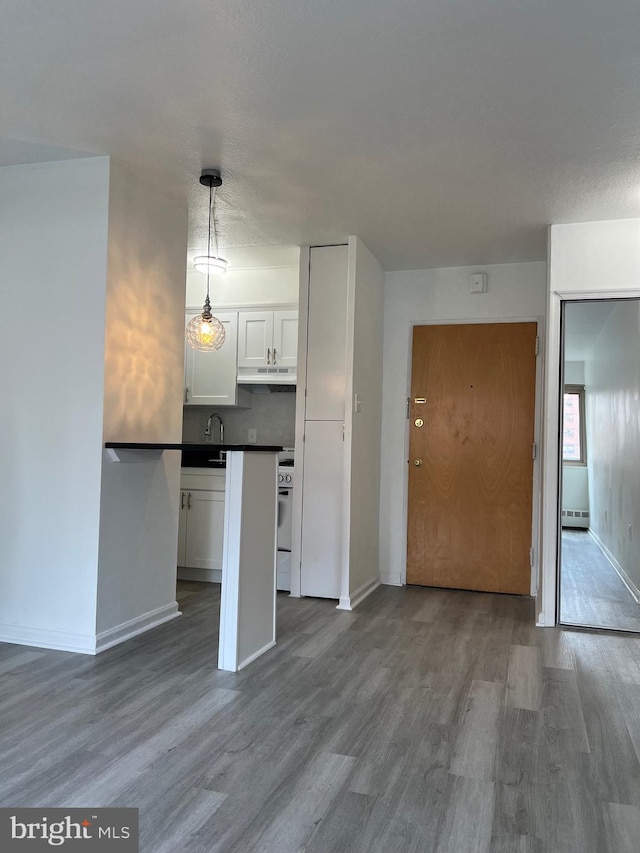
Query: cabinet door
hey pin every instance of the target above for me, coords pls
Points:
(322, 513)
(182, 529)
(211, 377)
(285, 338)
(326, 334)
(255, 339)
(205, 529)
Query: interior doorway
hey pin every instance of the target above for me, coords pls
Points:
(599, 543)
(471, 454)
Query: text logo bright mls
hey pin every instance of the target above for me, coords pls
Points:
(105, 830)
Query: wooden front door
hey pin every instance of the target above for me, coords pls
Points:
(471, 460)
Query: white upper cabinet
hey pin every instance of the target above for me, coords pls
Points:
(267, 339)
(211, 377)
(326, 377)
(285, 338)
(255, 339)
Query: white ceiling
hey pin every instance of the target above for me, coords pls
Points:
(442, 132)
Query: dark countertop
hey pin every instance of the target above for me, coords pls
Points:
(197, 448)
(193, 455)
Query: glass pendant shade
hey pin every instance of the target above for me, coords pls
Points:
(205, 332)
(210, 264)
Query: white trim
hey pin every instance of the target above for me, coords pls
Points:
(387, 580)
(43, 639)
(188, 573)
(634, 592)
(536, 486)
(349, 602)
(301, 404)
(257, 654)
(246, 306)
(140, 625)
(551, 525)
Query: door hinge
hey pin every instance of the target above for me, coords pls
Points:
(531, 555)
(534, 451)
(537, 345)
(408, 407)
(343, 430)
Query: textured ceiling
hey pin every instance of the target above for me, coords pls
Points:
(442, 132)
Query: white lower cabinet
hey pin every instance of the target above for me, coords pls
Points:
(201, 526)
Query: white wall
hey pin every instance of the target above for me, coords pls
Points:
(363, 428)
(53, 268)
(613, 424)
(586, 260)
(575, 488)
(416, 297)
(143, 370)
(256, 276)
(574, 373)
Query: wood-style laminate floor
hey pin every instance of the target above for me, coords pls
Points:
(591, 592)
(427, 720)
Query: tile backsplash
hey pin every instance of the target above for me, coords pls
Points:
(272, 416)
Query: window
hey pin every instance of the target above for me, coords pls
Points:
(573, 427)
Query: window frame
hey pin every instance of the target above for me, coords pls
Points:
(579, 390)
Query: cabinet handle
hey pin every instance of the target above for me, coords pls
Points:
(182, 501)
(269, 355)
(186, 395)
(189, 501)
(274, 355)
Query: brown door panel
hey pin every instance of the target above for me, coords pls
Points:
(470, 499)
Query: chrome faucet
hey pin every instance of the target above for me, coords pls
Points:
(210, 419)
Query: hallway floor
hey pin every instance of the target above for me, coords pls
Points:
(427, 720)
(591, 592)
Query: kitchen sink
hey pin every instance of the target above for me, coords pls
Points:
(210, 458)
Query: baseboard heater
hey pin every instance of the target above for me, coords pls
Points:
(575, 518)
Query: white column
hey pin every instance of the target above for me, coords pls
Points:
(248, 601)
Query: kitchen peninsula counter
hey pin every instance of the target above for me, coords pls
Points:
(115, 448)
(248, 594)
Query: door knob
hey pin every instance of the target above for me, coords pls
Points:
(417, 462)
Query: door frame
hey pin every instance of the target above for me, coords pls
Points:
(547, 603)
(537, 434)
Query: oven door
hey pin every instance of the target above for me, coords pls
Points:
(285, 497)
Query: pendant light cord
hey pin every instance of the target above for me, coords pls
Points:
(211, 198)
(213, 221)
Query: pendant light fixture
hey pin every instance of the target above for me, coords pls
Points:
(205, 332)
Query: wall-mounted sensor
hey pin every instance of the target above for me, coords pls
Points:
(479, 282)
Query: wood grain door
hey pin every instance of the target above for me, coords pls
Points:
(470, 499)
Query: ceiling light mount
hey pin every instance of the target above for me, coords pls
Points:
(211, 178)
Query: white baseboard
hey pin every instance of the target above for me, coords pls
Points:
(390, 580)
(349, 602)
(206, 575)
(257, 654)
(624, 577)
(61, 641)
(140, 625)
